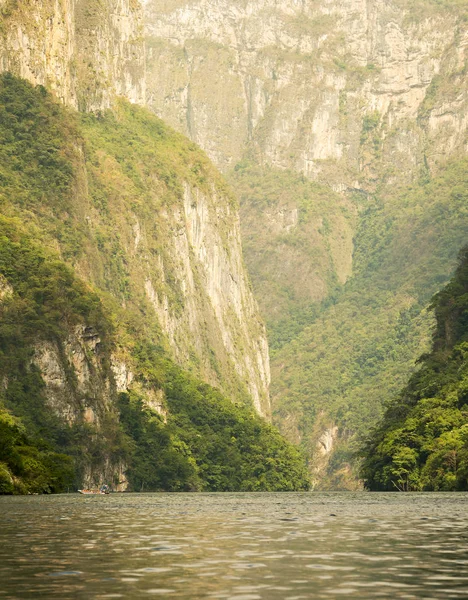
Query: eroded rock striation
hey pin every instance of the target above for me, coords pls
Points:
(86, 51)
(296, 80)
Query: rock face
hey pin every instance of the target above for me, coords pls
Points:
(353, 94)
(298, 81)
(77, 381)
(80, 389)
(86, 51)
(220, 318)
(180, 250)
(200, 293)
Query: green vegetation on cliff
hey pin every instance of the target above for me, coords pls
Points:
(208, 443)
(343, 267)
(71, 301)
(361, 348)
(422, 441)
(297, 243)
(41, 301)
(30, 465)
(339, 358)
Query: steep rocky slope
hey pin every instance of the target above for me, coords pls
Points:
(369, 99)
(174, 235)
(88, 53)
(105, 244)
(144, 219)
(295, 80)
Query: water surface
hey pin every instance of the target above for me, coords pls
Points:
(235, 546)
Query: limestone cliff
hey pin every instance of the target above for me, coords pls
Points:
(357, 95)
(172, 224)
(122, 296)
(297, 80)
(89, 52)
(225, 325)
(86, 51)
(80, 390)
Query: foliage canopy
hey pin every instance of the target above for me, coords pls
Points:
(422, 441)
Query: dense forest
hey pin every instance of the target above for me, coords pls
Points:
(422, 441)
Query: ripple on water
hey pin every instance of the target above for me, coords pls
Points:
(235, 546)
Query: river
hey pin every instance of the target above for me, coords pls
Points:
(235, 546)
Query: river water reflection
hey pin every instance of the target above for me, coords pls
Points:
(235, 546)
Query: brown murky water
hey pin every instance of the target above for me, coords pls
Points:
(235, 546)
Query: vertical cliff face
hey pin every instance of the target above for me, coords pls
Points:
(80, 390)
(354, 94)
(89, 52)
(86, 51)
(122, 296)
(297, 81)
(179, 240)
(171, 237)
(217, 322)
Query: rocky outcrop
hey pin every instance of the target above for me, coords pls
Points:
(78, 387)
(80, 390)
(5, 289)
(86, 51)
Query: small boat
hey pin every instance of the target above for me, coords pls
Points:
(101, 492)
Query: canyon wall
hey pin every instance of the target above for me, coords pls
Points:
(330, 119)
(88, 53)
(297, 81)
(85, 51)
